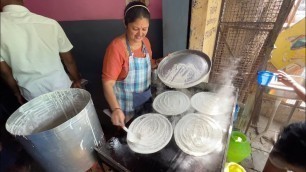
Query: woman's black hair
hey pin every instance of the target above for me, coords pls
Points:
(135, 10)
(291, 145)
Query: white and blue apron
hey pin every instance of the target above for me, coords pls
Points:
(135, 90)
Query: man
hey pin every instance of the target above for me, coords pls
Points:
(32, 47)
(289, 152)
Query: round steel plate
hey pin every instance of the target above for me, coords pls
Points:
(155, 130)
(184, 69)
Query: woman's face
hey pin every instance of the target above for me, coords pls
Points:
(137, 30)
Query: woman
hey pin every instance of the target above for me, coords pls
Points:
(126, 74)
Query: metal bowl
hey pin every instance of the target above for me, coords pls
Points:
(184, 69)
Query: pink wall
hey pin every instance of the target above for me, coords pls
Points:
(68, 10)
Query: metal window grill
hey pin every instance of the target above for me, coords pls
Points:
(246, 33)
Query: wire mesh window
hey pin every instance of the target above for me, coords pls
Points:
(243, 36)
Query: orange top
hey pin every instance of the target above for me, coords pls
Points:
(116, 59)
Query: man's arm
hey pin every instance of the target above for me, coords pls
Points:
(7, 75)
(72, 69)
(289, 81)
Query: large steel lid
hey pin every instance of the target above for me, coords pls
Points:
(184, 69)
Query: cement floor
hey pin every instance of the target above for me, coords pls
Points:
(261, 146)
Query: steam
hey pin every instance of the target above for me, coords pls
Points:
(226, 78)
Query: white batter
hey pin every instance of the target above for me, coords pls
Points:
(155, 130)
(182, 73)
(171, 103)
(197, 134)
(211, 103)
(47, 112)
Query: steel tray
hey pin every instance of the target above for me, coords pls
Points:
(184, 69)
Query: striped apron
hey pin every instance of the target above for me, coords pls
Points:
(135, 90)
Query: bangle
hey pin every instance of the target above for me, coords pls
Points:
(113, 110)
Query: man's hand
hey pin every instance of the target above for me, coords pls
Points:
(20, 98)
(76, 84)
(285, 78)
(289, 81)
(72, 69)
(7, 75)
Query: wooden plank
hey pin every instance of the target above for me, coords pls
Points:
(203, 26)
(197, 24)
(211, 26)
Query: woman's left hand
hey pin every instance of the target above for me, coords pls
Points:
(156, 62)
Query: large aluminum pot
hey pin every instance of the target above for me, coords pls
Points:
(184, 69)
(59, 129)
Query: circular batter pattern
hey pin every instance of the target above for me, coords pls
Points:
(197, 134)
(171, 103)
(210, 103)
(155, 130)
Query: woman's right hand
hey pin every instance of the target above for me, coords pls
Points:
(118, 117)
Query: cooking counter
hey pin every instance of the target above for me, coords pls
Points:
(120, 157)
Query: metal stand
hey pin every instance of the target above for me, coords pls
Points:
(276, 105)
(257, 108)
(297, 104)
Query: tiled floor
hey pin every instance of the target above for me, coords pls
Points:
(262, 146)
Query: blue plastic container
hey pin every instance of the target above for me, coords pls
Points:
(236, 112)
(265, 77)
